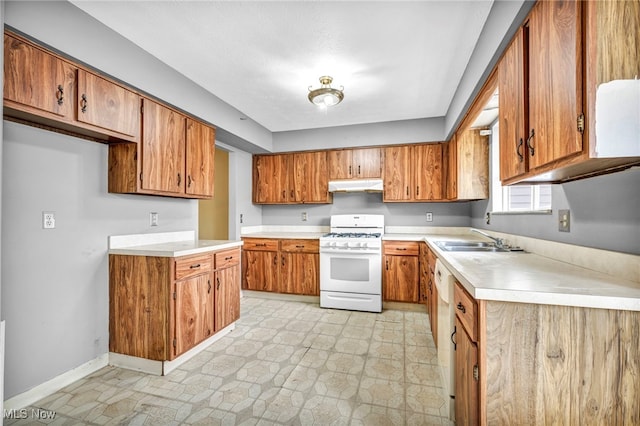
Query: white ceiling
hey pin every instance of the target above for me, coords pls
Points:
(396, 60)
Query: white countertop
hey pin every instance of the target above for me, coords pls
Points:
(531, 278)
(518, 276)
(166, 244)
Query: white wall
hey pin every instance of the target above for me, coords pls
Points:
(55, 281)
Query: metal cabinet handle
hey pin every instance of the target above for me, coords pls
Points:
(209, 288)
(292, 194)
(60, 94)
(387, 265)
(261, 244)
(401, 248)
(188, 181)
(179, 179)
(531, 149)
(455, 345)
(407, 191)
(417, 190)
(350, 172)
(228, 258)
(275, 259)
(196, 266)
(282, 260)
(218, 281)
(83, 103)
(284, 194)
(519, 149)
(461, 307)
(300, 246)
(359, 170)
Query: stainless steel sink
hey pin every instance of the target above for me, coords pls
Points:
(469, 246)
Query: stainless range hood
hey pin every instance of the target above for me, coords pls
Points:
(356, 185)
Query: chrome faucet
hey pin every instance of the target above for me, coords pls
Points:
(499, 241)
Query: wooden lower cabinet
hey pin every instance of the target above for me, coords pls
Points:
(546, 364)
(160, 307)
(400, 276)
(281, 266)
(227, 288)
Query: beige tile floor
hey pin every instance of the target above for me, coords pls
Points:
(286, 362)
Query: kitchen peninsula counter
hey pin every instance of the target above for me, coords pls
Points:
(167, 244)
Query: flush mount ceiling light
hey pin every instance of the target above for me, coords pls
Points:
(326, 95)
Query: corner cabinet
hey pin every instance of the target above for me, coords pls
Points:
(548, 80)
(293, 178)
(175, 157)
(160, 307)
(413, 173)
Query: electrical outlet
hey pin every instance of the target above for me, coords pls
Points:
(48, 220)
(153, 219)
(429, 217)
(304, 216)
(564, 220)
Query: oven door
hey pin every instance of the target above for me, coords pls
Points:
(351, 272)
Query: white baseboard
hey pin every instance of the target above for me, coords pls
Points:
(161, 368)
(51, 386)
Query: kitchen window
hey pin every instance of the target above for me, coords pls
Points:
(515, 198)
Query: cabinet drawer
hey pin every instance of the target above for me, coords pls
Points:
(260, 244)
(300, 246)
(401, 248)
(193, 265)
(226, 258)
(467, 311)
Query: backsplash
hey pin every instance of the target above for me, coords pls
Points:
(395, 214)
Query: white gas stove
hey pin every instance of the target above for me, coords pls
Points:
(351, 263)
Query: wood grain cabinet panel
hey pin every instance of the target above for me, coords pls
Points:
(400, 280)
(555, 81)
(466, 378)
(260, 264)
(227, 290)
(37, 81)
(163, 149)
(363, 163)
(271, 179)
(309, 180)
(413, 173)
(160, 307)
(107, 105)
(194, 310)
(200, 156)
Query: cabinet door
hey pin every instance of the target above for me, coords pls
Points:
(514, 155)
(270, 179)
(163, 149)
(400, 280)
(555, 81)
(200, 152)
(340, 164)
(309, 179)
(193, 312)
(260, 270)
(299, 273)
(38, 80)
(104, 104)
(466, 382)
(227, 296)
(397, 174)
(366, 163)
(428, 172)
(424, 274)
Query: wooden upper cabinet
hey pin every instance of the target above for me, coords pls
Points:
(513, 119)
(397, 174)
(428, 172)
(413, 173)
(200, 155)
(107, 105)
(295, 178)
(36, 81)
(309, 181)
(163, 149)
(555, 81)
(270, 179)
(363, 163)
